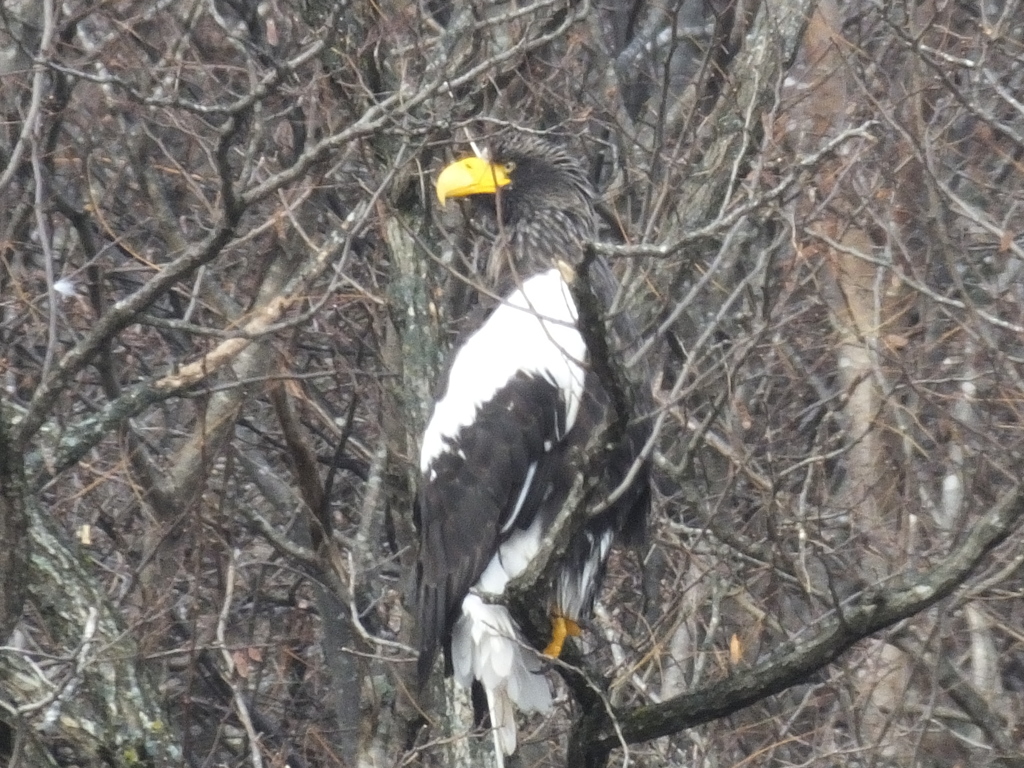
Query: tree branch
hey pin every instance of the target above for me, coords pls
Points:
(873, 610)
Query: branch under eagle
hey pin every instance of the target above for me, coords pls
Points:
(522, 401)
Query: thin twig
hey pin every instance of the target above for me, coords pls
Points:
(229, 663)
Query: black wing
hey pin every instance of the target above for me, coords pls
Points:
(489, 482)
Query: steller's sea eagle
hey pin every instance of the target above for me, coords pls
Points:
(502, 448)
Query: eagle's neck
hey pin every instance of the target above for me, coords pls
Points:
(537, 244)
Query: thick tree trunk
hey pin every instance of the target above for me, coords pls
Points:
(102, 703)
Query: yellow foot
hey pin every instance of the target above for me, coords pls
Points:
(561, 628)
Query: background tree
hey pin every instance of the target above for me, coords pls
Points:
(226, 291)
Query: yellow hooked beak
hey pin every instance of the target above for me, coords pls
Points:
(471, 176)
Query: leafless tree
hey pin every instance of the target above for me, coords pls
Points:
(226, 293)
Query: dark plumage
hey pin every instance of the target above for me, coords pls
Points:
(519, 400)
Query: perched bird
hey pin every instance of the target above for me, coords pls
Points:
(501, 451)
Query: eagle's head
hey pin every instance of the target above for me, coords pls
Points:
(539, 194)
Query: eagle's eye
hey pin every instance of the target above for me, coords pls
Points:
(510, 166)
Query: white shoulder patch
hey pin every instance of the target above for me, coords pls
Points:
(534, 332)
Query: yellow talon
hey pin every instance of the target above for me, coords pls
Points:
(561, 628)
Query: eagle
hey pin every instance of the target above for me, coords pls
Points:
(518, 405)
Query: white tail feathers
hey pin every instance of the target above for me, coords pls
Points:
(487, 647)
